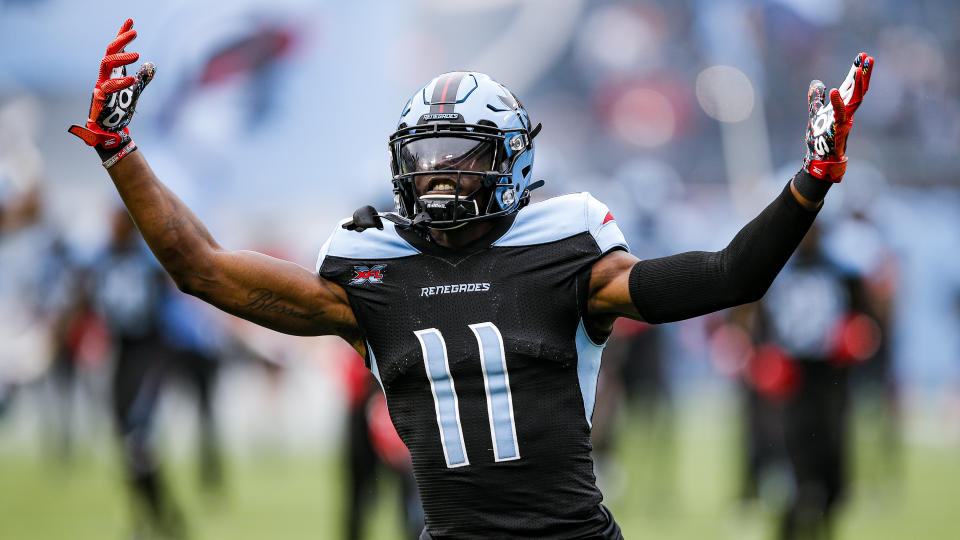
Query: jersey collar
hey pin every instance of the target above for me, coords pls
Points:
(421, 240)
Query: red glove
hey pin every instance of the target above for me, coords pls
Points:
(830, 123)
(115, 94)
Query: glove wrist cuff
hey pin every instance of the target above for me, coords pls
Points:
(115, 155)
(831, 171)
(109, 143)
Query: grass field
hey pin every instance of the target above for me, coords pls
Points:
(684, 490)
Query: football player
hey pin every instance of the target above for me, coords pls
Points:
(129, 290)
(483, 317)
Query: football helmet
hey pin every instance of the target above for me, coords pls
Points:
(461, 124)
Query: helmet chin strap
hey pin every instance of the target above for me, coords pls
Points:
(403, 222)
(447, 228)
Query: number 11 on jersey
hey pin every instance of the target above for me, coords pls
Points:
(496, 383)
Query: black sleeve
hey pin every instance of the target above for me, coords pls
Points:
(699, 282)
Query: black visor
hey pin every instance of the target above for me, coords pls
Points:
(447, 153)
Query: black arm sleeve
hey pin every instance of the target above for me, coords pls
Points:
(699, 282)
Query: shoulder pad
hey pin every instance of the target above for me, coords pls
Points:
(562, 217)
(367, 245)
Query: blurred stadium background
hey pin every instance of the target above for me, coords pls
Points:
(270, 119)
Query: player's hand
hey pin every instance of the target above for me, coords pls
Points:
(364, 218)
(830, 120)
(115, 94)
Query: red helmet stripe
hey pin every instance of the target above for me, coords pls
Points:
(443, 96)
(450, 87)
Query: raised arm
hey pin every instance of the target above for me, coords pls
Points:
(695, 283)
(271, 292)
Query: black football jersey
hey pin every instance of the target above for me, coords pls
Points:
(489, 375)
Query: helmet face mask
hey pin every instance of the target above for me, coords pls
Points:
(462, 158)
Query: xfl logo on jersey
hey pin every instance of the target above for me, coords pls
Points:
(371, 274)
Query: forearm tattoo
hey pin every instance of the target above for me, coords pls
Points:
(267, 301)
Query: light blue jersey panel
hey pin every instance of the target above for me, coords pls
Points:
(588, 369)
(562, 217)
(369, 244)
(374, 368)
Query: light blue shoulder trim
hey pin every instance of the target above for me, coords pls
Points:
(603, 227)
(547, 221)
(369, 244)
(562, 217)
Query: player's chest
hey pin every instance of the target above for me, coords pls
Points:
(486, 282)
(511, 305)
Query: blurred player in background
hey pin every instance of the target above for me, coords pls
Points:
(373, 447)
(157, 337)
(810, 328)
(482, 317)
(859, 248)
(129, 290)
